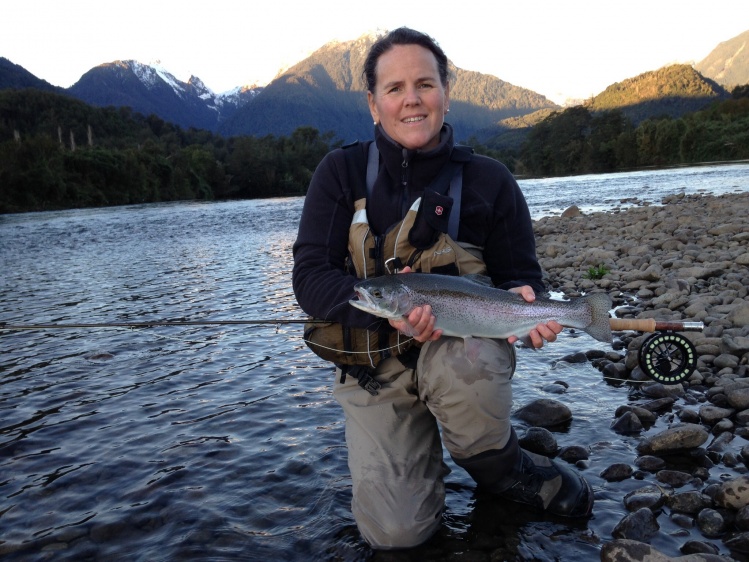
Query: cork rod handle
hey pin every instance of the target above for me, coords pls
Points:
(651, 325)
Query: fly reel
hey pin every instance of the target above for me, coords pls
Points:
(667, 357)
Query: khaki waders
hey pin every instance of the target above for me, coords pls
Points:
(394, 446)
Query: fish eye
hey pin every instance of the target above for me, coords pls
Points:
(377, 294)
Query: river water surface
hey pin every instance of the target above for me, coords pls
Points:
(224, 443)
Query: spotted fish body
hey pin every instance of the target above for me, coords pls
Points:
(466, 308)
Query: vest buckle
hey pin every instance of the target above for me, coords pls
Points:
(363, 377)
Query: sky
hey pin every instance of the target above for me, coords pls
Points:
(565, 50)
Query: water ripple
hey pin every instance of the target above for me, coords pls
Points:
(214, 443)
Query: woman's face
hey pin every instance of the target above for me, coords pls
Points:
(409, 100)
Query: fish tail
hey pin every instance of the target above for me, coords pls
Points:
(600, 325)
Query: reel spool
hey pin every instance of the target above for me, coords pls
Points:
(667, 357)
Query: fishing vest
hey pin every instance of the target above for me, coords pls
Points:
(423, 240)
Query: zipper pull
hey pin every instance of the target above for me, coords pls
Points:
(404, 165)
(377, 255)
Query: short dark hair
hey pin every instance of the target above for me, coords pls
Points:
(402, 36)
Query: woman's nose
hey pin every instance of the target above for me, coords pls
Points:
(412, 96)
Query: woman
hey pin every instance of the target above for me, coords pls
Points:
(399, 222)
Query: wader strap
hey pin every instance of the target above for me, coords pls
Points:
(357, 166)
(461, 154)
(363, 377)
(373, 166)
(456, 192)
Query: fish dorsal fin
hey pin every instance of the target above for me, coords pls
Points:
(480, 279)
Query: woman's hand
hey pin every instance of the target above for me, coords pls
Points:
(542, 332)
(419, 324)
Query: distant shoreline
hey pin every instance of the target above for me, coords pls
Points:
(643, 169)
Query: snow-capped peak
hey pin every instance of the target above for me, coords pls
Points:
(200, 88)
(150, 74)
(236, 95)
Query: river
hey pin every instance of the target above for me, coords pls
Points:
(224, 442)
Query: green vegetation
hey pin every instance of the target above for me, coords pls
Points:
(597, 272)
(684, 87)
(57, 152)
(578, 141)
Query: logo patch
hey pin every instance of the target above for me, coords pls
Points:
(438, 210)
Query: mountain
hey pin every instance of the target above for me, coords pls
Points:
(322, 91)
(151, 89)
(728, 63)
(13, 76)
(669, 91)
(326, 91)
(480, 101)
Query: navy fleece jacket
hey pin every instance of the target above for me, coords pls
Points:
(494, 216)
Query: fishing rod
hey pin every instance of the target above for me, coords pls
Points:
(158, 323)
(665, 356)
(619, 324)
(652, 325)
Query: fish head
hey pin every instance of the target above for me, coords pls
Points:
(382, 296)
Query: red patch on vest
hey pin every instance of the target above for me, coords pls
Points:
(438, 211)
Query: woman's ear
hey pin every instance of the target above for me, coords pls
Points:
(373, 108)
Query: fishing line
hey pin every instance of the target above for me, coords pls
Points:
(159, 323)
(4, 326)
(624, 380)
(181, 340)
(358, 352)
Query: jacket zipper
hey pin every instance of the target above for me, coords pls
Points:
(378, 255)
(405, 183)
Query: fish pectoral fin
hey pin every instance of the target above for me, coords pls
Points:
(527, 342)
(472, 348)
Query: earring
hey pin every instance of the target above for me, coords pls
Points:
(375, 122)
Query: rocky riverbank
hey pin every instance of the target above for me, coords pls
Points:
(685, 260)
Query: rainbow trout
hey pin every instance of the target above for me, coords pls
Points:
(467, 308)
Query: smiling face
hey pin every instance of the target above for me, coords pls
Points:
(409, 100)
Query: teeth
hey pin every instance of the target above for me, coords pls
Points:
(413, 119)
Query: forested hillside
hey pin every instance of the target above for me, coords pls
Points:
(578, 140)
(57, 152)
(669, 91)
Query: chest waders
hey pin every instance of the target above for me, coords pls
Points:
(423, 240)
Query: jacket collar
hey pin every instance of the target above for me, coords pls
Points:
(421, 166)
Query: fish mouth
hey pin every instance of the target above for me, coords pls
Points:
(368, 303)
(362, 300)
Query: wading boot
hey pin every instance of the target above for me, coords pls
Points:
(549, 486)
(519, 476)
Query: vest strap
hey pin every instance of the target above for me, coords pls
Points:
(463, 154)
(456, 192)
(373, 166)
